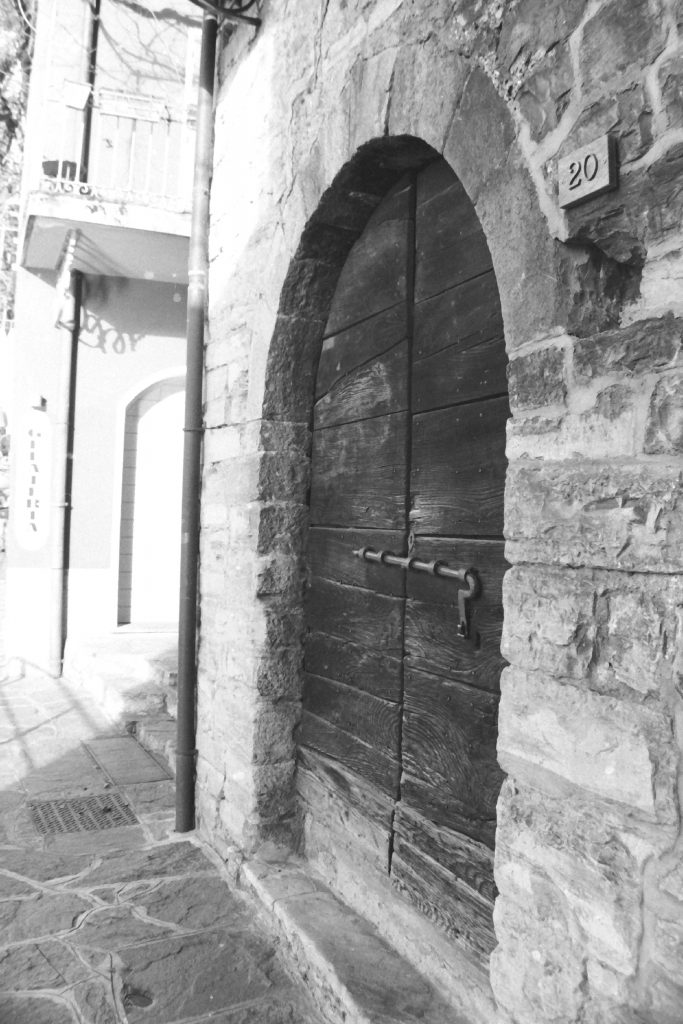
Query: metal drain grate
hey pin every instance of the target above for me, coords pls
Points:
(82, 814)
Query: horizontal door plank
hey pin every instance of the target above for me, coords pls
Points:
(344, 352)
(455, 375)
(376, 388)
(374, 276)
(446, 810)
(346, 788)
(465, 316)
(458, 469)
(431, 639)
(343, 816)
(359, 474)
(450, 243)
(346, 750)
(486, 556)
(372, 671)
(367, 718)
(449, 751)
(362, 616)
(469, 861)
(453, 907)
(433, 645)
(330, 556)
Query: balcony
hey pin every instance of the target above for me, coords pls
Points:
(122, 178)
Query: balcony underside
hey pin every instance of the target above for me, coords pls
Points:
(116, 239)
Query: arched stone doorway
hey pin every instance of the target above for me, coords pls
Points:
(397, 748)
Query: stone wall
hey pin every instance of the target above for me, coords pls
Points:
(316, 117)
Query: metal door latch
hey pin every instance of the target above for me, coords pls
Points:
(409, 563)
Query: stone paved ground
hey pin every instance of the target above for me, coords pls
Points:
(132, 925)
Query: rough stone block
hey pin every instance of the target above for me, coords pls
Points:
(626, 114)
(292, 359)
(431, 70)
(664, 432)
(531, 27)
(545, 94)
(615, 633)
(671, 86)
(309, 287)
(644, 347)
(479, 157)
(537, 380)
(537, 970)
(281, 575)
(661, 997)
(273, 675)
(262, 733)
(626, 515)
(510, 199)
(605, 424)
(282, 436)
(618, 41)
(560, 739)
(625, 224)
(667, 945)
(588, 859)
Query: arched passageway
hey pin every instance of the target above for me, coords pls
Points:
(149, 546)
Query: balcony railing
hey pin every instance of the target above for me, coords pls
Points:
(139, 151)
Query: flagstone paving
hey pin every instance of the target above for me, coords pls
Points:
(129, 925)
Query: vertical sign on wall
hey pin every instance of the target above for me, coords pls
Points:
(30, 500)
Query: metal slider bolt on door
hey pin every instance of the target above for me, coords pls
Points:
(436, 568)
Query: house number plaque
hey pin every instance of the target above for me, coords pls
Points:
(588, 172)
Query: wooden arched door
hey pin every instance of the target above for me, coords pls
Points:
(400, 712)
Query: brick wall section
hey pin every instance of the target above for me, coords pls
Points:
(590, 914)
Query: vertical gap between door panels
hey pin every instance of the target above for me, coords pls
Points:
(410, 316)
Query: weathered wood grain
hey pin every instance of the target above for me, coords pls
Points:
(439, 807)
(361, 616)
(431, 639)
(454, 907)
(486, 556)
(466, 859)
(460, 375)
(368, 718)
(433, 645)
(355, 756)
(346, 788)
(344, 352)
(376, 388)
(450, 243)
(382, 247)
(466, 316)
(359, 474)
(449, 753)
(330, 556)
(458, 469)
(372, 671)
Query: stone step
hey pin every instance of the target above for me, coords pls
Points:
(353, 974)
(157, 733)
(127, 675)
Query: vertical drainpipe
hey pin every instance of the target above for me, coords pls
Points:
(189, 552)
(91, 72)
(69, 323)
